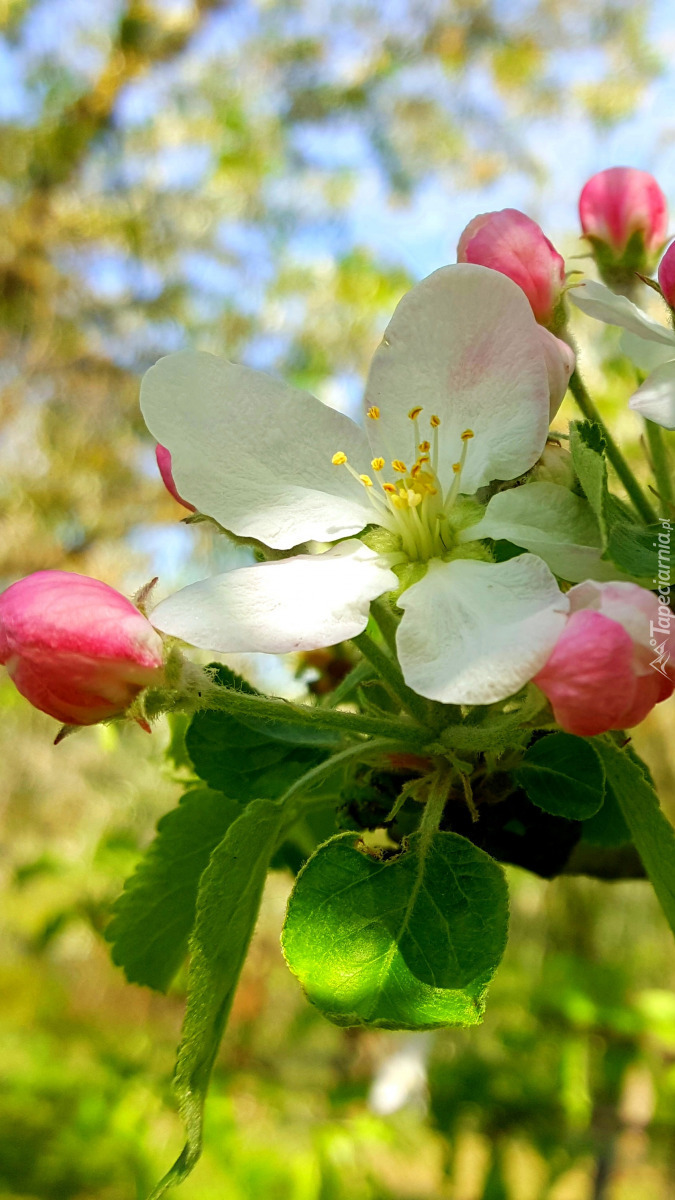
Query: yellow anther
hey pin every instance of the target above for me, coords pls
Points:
(373, 413)
(414, 471)
(415, 412)
(377, 464)
(467, 435)
(413, 498)
(423, 458)
(435, 421)
(389, 488)
(457, 468)
(399, 466)
(366, 480)
(424, 446)
(339, 458)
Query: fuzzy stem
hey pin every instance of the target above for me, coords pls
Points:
(264, 708)
(386, 619)
(389, 671)
(642, 504)
(433, 809)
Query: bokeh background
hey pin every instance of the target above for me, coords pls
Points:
(265, 179)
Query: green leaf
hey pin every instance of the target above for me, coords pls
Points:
(563, 775)
(652, 833)
(403, 943)
(633, 548)
(251, 758)
(153, 917)
(607, 827)
(587, 447)
(227, 908)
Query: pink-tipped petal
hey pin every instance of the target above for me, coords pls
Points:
(163, 457)
(76, 648)
(560, 362)
(512, 243)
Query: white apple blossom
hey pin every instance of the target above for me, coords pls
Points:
(457, 396)
(650, 345)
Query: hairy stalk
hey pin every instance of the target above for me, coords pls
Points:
(628, 479)
(386, 620)
(391, 675)
(263, 708)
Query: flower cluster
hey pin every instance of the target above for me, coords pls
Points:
(448, 497)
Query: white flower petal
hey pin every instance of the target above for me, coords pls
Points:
(464, 345)
(656, 398)
(552, 522)
(255, 453)
(598, 301)
(298, 603)
(475, 632)
(643, 354)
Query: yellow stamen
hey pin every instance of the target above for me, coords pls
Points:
(399, 466)
(373, 413)
(415, 412)
(377, 464)
(339, 458)
(424, 447)
(423, 458)
(413, 498)
(389, 488)
(435, 422)
(366, 480)
(467, 435)
(457, 468)
(414, 471)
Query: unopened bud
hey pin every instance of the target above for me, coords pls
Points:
(624, 215)
(76, 648)
(667, 276)
(514, 244)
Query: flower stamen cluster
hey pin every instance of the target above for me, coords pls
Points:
(416, 507)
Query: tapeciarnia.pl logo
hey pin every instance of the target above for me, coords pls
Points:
(661, 628)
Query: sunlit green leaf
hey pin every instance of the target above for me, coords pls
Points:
(401, 943)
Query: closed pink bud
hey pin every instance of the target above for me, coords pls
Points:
(667, 276)
(512, 243)
(620, 202)
(163, 457)
(612, 663)
(76, 648)
(560, 362)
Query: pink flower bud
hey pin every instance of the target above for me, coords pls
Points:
(512, 243)
(622, 201)
(76, 648)
(612, 663)
(560, 362)
(163, 457)
(667, 276)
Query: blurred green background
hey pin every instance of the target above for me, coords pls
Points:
(264, 180)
